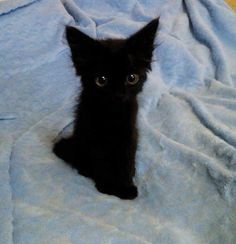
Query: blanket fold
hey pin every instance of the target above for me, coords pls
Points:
(6, 207)
(186, 157)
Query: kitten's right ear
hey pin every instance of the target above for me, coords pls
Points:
(83, 48)
(140, 45)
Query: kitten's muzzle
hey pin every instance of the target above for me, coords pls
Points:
(120, 97)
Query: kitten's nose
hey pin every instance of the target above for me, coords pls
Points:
(120, 97)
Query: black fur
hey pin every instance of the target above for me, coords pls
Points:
(104, 140)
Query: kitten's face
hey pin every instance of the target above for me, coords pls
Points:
(113, 70)
(113, 74)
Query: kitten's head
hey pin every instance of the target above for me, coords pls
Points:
(113, 69)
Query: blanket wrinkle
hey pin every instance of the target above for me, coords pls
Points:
(206, 118)
(12, 197)
(14, 143)
(194, 154)
(77, 14)
(203, 34)
(6, 203)
(8, 9)
(223, 177)
(218, 20)
(7, 117)
(87, 218)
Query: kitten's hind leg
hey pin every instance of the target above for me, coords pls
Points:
(69, 150)
(65, 149)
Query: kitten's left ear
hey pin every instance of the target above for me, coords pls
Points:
(83, 48)
(141, 44)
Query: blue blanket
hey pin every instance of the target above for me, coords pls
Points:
(186, 157)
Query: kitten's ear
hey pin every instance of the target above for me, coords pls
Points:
(83, 48)
(140, 45)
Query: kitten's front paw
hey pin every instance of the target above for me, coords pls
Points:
(129, 192)
(123, 192)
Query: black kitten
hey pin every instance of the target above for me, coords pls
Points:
(104, 140)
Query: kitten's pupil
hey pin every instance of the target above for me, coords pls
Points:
(132, 79)
(101, 81)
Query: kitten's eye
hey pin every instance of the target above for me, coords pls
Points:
(101, 81)
(132, 79)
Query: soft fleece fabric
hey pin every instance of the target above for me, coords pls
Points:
(186, 158)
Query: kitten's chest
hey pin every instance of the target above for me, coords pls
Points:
(111, 126)
(116, 119)
(107, 120)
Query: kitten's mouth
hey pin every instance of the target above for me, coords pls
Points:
(120, 98)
